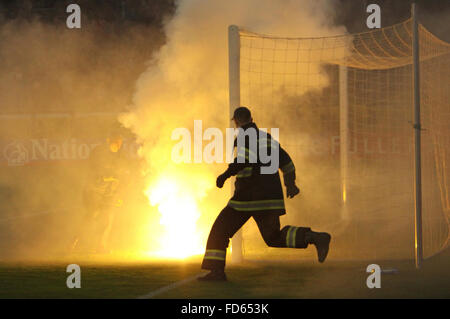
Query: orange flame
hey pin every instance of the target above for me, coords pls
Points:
(177, 204)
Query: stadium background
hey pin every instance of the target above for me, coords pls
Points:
(75, 99)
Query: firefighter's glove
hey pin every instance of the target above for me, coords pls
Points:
(292, 190)
(221, 180)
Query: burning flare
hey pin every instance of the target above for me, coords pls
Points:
(177, 204)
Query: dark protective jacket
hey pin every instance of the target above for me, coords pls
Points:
(255, 191)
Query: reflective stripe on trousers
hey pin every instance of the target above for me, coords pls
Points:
(256, 205)
(215, 254)
(290, 237)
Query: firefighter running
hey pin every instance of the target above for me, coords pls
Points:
(257, 194)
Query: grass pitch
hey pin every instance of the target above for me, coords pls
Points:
(252, 279)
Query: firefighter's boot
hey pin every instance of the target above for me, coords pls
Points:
(214, 275)
(321, 241)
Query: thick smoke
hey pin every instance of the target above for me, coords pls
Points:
(50, 69)
(187, 80)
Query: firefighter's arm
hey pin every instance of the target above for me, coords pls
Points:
(233, 169)
(288, 168)
(244, 158)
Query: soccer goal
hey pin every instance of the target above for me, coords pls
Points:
(348, 114)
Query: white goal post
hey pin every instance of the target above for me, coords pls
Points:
(235, 101)
(360, 93)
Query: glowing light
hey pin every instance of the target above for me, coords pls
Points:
(179, 214)
(344, 192)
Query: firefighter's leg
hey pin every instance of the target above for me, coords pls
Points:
(226, 225)
(292, 236)
(289, 236)
(321, 241)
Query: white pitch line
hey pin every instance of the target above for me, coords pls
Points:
(151, 294)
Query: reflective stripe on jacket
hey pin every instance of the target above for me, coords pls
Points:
(254, 191)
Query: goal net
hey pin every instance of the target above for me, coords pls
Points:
(344, 107)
